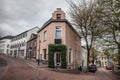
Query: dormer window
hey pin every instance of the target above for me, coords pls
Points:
(58, 16)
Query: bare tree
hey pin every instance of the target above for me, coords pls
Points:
(111, 11)
(85, 18)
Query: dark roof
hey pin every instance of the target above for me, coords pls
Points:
(34, 37)
(7, 37)
(28, 30)
(57, 20)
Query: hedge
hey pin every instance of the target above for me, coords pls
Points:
(55, 48)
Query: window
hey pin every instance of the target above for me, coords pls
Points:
(39, 39)
(58, 16)
(11, 52)
(44, 53)
(22, 52)
(105, 63)
(7, 50)
(24, 34)
(21, 35)
(70, 55)
(11, 46)
(35, 43)
(58, 32)
(45, 35)
(17, 45)
(31, 44)
(57, 41)
(58, 57)
(8, 46)
(22, 43)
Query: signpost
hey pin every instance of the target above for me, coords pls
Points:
(30, 50)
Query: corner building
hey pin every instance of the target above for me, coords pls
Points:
(57, 30)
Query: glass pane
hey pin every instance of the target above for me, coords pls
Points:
(58, 33)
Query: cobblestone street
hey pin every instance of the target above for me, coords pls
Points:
(20, 69)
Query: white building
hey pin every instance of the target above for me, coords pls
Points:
(19, 42)
(84, 51)
(5, 45)
(84, 56)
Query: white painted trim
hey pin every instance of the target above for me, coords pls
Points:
(55, 32)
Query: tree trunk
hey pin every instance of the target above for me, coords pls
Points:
(88, 55)
(119, 53)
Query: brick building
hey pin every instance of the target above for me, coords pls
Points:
(57, 30)
(32, 47)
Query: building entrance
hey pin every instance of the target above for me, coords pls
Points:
(57, 59)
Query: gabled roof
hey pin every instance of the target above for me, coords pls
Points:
(32, 37)
(57, 20)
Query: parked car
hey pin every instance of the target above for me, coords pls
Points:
(109, 67)
(92, 68)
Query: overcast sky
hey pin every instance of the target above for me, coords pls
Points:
(17, 16)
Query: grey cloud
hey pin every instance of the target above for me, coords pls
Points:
(17, 16)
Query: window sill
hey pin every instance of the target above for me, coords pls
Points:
(58, 38)
(44, 40)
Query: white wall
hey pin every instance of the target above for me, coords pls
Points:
(3, 46)
(84, 56)
(25, 39)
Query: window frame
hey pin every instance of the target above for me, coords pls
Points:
(57, 30)
(58, 16)
(45, 36)
(44, 53)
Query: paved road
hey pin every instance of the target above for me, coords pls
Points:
(18, 69)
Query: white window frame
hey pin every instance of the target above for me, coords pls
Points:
(45, 35)
(61, 32)
(70, 61)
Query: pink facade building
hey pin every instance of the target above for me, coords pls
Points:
(57, 30)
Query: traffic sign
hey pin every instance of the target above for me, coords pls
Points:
(30, 48)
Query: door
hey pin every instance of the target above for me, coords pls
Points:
(57, 59)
